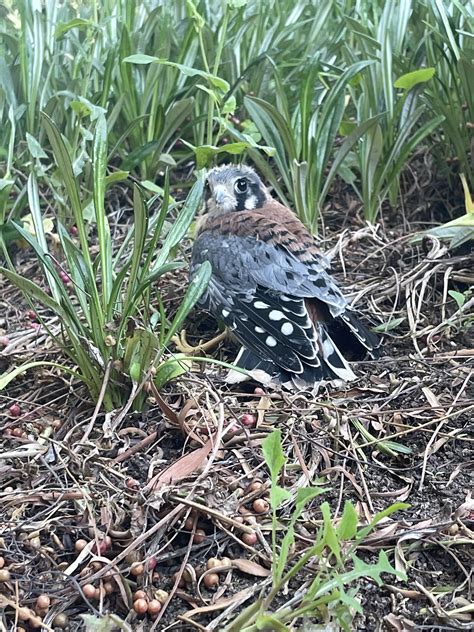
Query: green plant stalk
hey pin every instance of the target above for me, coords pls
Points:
(217, 61)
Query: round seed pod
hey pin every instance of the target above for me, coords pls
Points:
(211, 580)
(5, 575)
(260, 506)
(140, 606)
(154, 606)
(61, 620)
(89, 591)
(80, 545)
(250, 538)
(43, 602)
(213, 562)
(199, 536)
(137, 569)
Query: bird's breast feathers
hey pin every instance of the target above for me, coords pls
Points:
(273, 223)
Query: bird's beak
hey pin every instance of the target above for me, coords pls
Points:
(222, 198)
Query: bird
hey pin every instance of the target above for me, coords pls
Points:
(272, 288)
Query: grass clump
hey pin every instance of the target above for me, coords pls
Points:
(107, 326)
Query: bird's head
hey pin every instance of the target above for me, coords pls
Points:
(232, 188)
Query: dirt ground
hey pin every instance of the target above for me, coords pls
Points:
(401, 433)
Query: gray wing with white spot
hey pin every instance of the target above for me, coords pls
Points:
(242, 263)
(259, 291)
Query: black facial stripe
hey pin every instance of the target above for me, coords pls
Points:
(253, 190)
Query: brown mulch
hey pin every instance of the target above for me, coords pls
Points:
(150, 480)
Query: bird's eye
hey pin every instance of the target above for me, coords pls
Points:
(241, 185)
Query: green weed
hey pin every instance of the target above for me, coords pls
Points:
(323, 575)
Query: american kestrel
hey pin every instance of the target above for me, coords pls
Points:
(271, 287)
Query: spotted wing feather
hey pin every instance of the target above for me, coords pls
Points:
(259, 291)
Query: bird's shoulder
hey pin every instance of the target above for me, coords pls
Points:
(273, 224)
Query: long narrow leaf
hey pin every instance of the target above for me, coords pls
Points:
(194, 292)
(103, 231)
(183, 221)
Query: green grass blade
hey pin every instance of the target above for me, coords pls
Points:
(183, 221)
(99, 164)
(193, 293)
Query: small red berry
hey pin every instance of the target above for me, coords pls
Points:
(249, 420)
(73, 231)
(15, 410)
(31, 314)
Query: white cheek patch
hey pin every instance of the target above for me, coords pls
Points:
(287, 329)
(275, 314)
(251, 203)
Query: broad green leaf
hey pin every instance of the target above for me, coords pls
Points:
(99, 160)
(459, 297)
(269, 622)
(229, 106)
(116, 176)
(205, 153)
(468, 202)
(140, 229)
(348, 598)
(276, 132)
(278, 495)
(329, 537)
(140, 58)
(183, 221)
(141, 349)
(411, 79)
(35, 148)
(286, 544)
(462, 236)
(273, 454)
(138, 155)
(362, 533)
(347, 527)
(344, 150)
(303, 496)
(394, 447)
(171, 369)
(391, 324)
(374, 571)
(64, 163)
